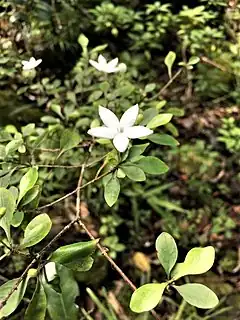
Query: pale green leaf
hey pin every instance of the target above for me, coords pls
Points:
(13, 146)
(27, 182)
(197, 261)
(30, 195)
(15, 298)
(169, 61)
(134, 173)
(83, 41)
(147, 297)
(36, 230)
(167, 251)
(112, 190)
(152, 165)
(198, 295)
(28, 129)
(163, 139)
(17, 219)
(159, 120)
(150, 87)
(7, 201)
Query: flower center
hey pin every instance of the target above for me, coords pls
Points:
(121, 129)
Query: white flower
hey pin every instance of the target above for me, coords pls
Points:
(108, 67)
(31, 64)
(120, 131)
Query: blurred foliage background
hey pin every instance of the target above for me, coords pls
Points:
(198, 200)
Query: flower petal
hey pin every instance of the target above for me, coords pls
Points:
(95, 64)
(113, 63)
(108, 118)
(129, 117)
(120, 142)
(102, 132)
(102, 60)
(38, 62)
(137, 132)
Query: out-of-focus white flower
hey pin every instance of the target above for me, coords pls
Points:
(31, 64)
(108, 67)
(119, 130)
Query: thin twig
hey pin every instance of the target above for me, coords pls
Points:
(78, 201)
(74, 191)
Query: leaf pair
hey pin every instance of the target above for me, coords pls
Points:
(197, 261)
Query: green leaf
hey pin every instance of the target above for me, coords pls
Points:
(134, 173)
(159, 120)
(169, 60)
(198, 295)
(147, 297)
(50, 120)
(124, 91)
(57, 109)
(69, 139)
(136, 151)
(7, 201)
(2, 211)
(17, 219)
(38, 305)
(197, 261)
(150, 87)
(168, 205)
(163, 139)
(15, 298)
(61, 304)
(152, 165)
(112, 190)
(28, 129)
(27, 182)
(76, 255)
(193, 60)
(30, 195)
(36, 230)
(167, 251)
(13, 146)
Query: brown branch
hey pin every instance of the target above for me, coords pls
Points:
(213, 63)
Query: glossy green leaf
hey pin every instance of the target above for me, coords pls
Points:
(152, 165)
(30, 195)
(163, 139)
(38, 305)
(197, 261)
(167, 251)
(61, 304)
(134, 173)
(7, 201)
(17, 219)
(147, 297)
(112, 190)
(36, 230)
(198, 295)
(76, 256)
(159, 120)
(15, 298)
(27, 182)
(69, 139)
(169, 61)
(2, 211)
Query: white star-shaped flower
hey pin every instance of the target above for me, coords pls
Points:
(119, 130)
(31, 64)
(108, 67)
